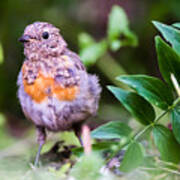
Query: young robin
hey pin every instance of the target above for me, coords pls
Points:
(54, 88)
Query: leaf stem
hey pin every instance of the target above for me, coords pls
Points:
(157, 119)
(162, 168)
(176, 102)
(170, 170)
(161, 115)
(117, 150)
(164, 112)
(140, 133)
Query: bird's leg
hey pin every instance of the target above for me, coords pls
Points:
(77, 131)
(41, 137)
(86, 139)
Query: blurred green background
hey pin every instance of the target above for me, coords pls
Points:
(74, 17)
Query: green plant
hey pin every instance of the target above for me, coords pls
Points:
(147, 95)
(118, 35)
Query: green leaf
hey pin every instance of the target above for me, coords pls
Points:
(171, 34)
(133, 157)
(168, 59)
(118, 22)
(98, 147)
(131, 39)
(1, 54)
(176, 122)
(115, 45)
(166, 144)
(93, 52)
(176, 25)
(112, 130)
(87, 167)
(135, 104)
(151, 88)
(85, 40)
(119, 33)
(61, 172)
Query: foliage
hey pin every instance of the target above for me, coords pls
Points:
(133, 103)
(148, 93)
(151, 88)
(166, 144)
(85, 168)
(168, 62)
(118, 35)
(170, 33)
(112, 130)
(132, 158)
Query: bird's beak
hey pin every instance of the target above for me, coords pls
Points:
(24, 38)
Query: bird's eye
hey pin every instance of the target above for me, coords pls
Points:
(45, 35)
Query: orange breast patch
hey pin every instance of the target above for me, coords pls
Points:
(44, 87)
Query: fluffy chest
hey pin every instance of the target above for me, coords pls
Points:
(44, 87)
(50, 79)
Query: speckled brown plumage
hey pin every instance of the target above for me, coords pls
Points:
(55, 91)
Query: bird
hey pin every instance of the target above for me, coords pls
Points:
(55, 90)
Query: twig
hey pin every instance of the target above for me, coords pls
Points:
(161, 168)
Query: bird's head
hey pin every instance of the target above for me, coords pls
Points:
(42, 39)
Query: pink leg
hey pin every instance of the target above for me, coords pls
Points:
(86, 139)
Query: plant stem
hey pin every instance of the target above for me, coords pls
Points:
(161, 115)
(170, 170)
(167, 163)
(140, 133)
(162, 168)
(176, 102)
(116, 151)
(157, 119)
